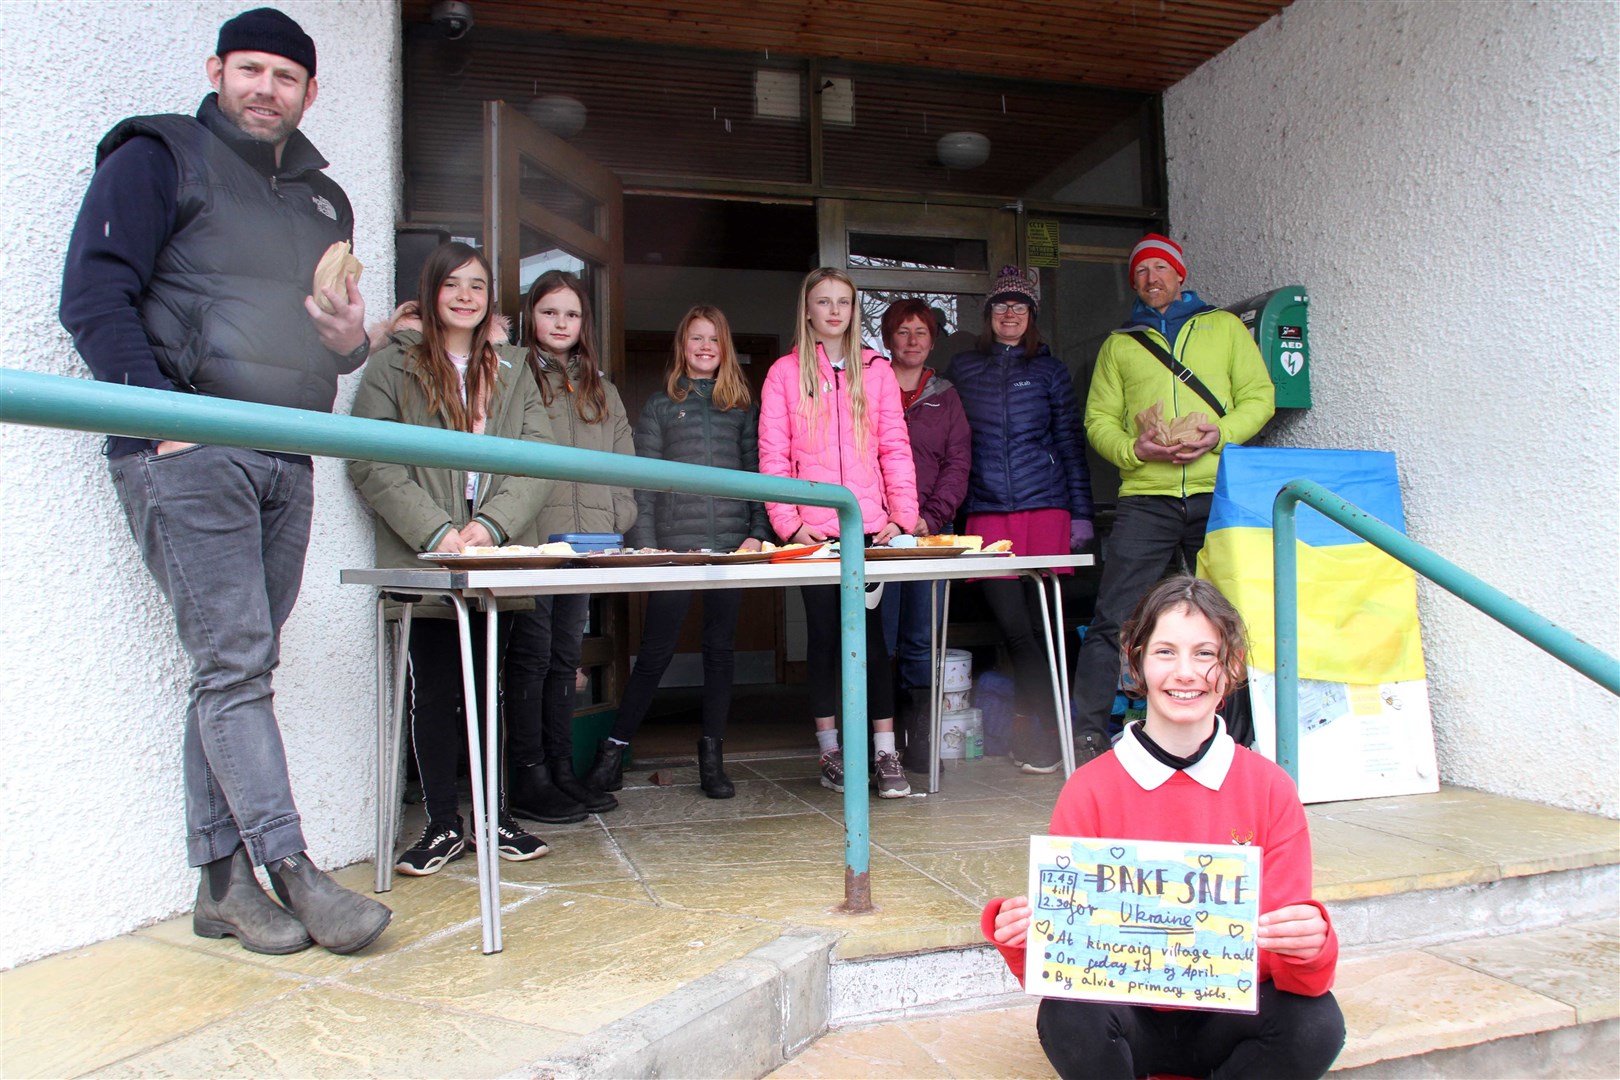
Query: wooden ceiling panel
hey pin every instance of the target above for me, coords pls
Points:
(1141, 45)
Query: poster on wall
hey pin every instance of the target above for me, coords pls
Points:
(1356, 741)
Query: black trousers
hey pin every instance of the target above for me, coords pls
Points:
(438, 714)
(1149, 531)
(1017, 610)
(1290, 1038)
(823, 655)
(666, 611)
(539, 693)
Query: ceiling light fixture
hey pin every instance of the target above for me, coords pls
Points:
(963, 150)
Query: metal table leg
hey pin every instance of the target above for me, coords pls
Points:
(939, 633)
(384, 752)
(390, 737)
(488, 882)
(489, 843)
(1060, 705)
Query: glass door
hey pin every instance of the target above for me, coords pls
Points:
(944, 255)
(548, 206)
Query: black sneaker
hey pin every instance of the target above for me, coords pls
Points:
(514, 843)
(439, 844)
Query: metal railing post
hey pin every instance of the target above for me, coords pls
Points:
(1551, 638)
(81, 404)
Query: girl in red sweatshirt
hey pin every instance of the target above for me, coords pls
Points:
(1177, 776)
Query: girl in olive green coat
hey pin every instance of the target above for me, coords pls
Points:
(586, 412)
(452, 378)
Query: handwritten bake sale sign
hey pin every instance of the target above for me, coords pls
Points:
(1143, 923)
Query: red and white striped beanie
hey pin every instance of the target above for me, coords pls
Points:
(1154, 246)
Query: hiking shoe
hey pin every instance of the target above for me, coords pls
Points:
(891, 777)
(1035, 747)
(440, 844)
(832, 770)
(1088, 747)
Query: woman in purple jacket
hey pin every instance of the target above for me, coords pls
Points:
(942, 448)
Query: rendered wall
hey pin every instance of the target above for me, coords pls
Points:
(94, 682)
(1441, 176)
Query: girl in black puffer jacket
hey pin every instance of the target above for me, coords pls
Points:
(703, 416)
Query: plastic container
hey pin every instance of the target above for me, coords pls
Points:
(961, 735)
(994, 698)
(588, 542)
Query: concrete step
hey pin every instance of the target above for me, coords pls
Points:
(1532, 1004)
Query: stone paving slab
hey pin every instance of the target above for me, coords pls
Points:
(634, 906)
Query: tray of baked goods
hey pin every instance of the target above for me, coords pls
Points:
(509, 557)
(941, 546)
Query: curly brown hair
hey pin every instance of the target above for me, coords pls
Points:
(1193, 595)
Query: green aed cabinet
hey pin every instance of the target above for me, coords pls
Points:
(1277, 320)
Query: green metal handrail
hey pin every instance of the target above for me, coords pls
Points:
(1590, 661)
(80, 404)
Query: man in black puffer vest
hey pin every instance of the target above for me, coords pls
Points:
(190, 270)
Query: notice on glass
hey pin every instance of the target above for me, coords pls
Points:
(1143, 923)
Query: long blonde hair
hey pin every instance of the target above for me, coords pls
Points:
(730, 387)
(804, 344)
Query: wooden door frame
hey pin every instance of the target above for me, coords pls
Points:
(837, 218)
(509, 138)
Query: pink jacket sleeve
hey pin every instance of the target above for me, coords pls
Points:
(776, 399)
(894, 443)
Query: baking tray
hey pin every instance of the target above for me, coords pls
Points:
(457, 561)
(881, 553)
(738, 558)
(646, 558)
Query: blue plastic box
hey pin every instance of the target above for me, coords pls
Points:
(586, 542)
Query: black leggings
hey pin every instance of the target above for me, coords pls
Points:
(438, 714)
(1017, 611)
(1291, 1038)
(823, 656)
(666, 611)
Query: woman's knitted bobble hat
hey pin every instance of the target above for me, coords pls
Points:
(1015, 284)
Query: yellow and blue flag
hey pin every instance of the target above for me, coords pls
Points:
(1358, 619)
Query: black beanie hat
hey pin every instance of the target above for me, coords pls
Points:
(270, 31)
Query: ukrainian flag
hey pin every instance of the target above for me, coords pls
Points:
(1358, 618)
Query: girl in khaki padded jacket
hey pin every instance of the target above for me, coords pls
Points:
(585, 411)
(449, 376)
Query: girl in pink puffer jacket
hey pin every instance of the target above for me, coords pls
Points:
(826, 419)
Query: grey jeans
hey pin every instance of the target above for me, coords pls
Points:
(223, 531)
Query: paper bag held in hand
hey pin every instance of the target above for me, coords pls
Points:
(334, 266)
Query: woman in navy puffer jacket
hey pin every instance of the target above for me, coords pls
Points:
(1029, 483)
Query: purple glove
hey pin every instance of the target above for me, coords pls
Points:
(1081, 534)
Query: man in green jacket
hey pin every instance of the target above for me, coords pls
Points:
(1167, 469)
